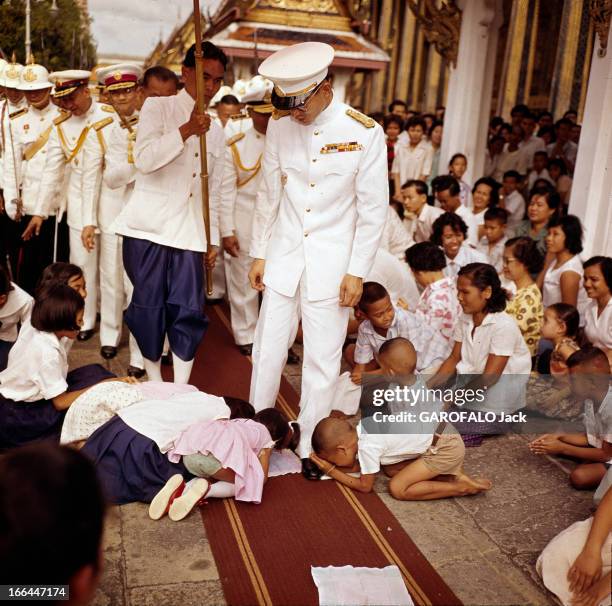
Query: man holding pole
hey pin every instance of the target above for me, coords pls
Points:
(162, 224)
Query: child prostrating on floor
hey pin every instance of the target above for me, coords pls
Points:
(422, 466)
(229, 458)
(384, 321)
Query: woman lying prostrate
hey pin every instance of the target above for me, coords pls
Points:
(234, 454)
(35, 387)
(129, 450)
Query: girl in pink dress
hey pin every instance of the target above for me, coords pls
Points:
(229, 457)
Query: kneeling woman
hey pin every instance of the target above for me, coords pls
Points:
(230, 458)
(35, 387)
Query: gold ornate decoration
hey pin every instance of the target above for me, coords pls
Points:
(319, 6)
(601, 12)
(442, 26)
(29, 75)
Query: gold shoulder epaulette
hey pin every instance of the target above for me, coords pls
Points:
(62, 118)
(108, 108)
(361, 118)
(100, 124)
(277, 114)
(239, 116)
(234, 139)
(19, 112)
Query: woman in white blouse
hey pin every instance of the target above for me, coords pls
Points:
(560, 281)
(487, 343)
(598, 314)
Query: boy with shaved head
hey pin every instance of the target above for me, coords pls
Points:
(414, 461)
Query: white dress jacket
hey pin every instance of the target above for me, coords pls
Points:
(320, 210)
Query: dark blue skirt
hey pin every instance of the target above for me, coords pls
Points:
(130, 466)
(21, 422)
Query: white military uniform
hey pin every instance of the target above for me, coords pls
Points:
(319, 217)
(119, 174)
(65, 150)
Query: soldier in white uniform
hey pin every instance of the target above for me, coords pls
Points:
(83, 117)
(162, 223)
(317, 226)
(241, 181)
(117, 161)
(12, 105)
(22, 174)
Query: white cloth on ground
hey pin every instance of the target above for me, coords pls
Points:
(359, 586)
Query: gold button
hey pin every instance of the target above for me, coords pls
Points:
(316, 132)
(196, 154)
(314, 159)
(191, 195)
(306, 234)
(312, 185)
(308, 210)
(193, 175)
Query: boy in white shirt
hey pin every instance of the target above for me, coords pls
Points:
(540, 170)
(384, 321)
(493, 242)
(448, 194)
(513, 202)
(412, 460)
(412, 160)
(418, 215)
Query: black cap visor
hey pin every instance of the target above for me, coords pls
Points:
(287, 103)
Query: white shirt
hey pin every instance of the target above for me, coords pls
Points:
(395, 276)
(412, 162)
(65, 153)
(510, 160)
(499, 335)
(166, 205)
(421, 227)
(598, 425)
(242, 178)
(320, 214)
(471, 220)
(164, 420)
(16, 310)
(430, 346)
(466, 255)
(493, 253)
(530, 146)
(551, 290)
(534, 176)
(570, 150)
(118, 174)
(29, 128)
(375, 450)
(515, 205)
(395, 238)
(598, 329)
(37, 368)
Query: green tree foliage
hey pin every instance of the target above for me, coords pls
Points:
(59, 41)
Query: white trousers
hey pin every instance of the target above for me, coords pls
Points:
(324, 326)
(88, 262)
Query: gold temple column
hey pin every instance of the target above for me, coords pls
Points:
(563, 78)
(405, 60)
(434, 69)
(533, 35)
(395, 53)
(415, 92)
(379, 78)
(513, 57)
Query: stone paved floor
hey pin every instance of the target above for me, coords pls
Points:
(484, 547)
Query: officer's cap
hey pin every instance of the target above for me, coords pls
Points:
(119, 76)
(67, 81)
(258, 95)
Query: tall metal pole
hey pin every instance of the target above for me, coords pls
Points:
(201, 107)
(28, 41)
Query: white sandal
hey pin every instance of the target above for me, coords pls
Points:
(163, 499)
(181, 506)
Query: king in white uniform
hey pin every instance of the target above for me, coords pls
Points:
(317, 226)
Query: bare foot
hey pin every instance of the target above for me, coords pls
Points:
(473, 485)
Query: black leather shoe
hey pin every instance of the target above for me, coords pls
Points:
(166, 359)
(108, 352)
(216, 301)
(310, 471)
(85, 335)
(292, 357)
(134, 371)
(246, 350)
